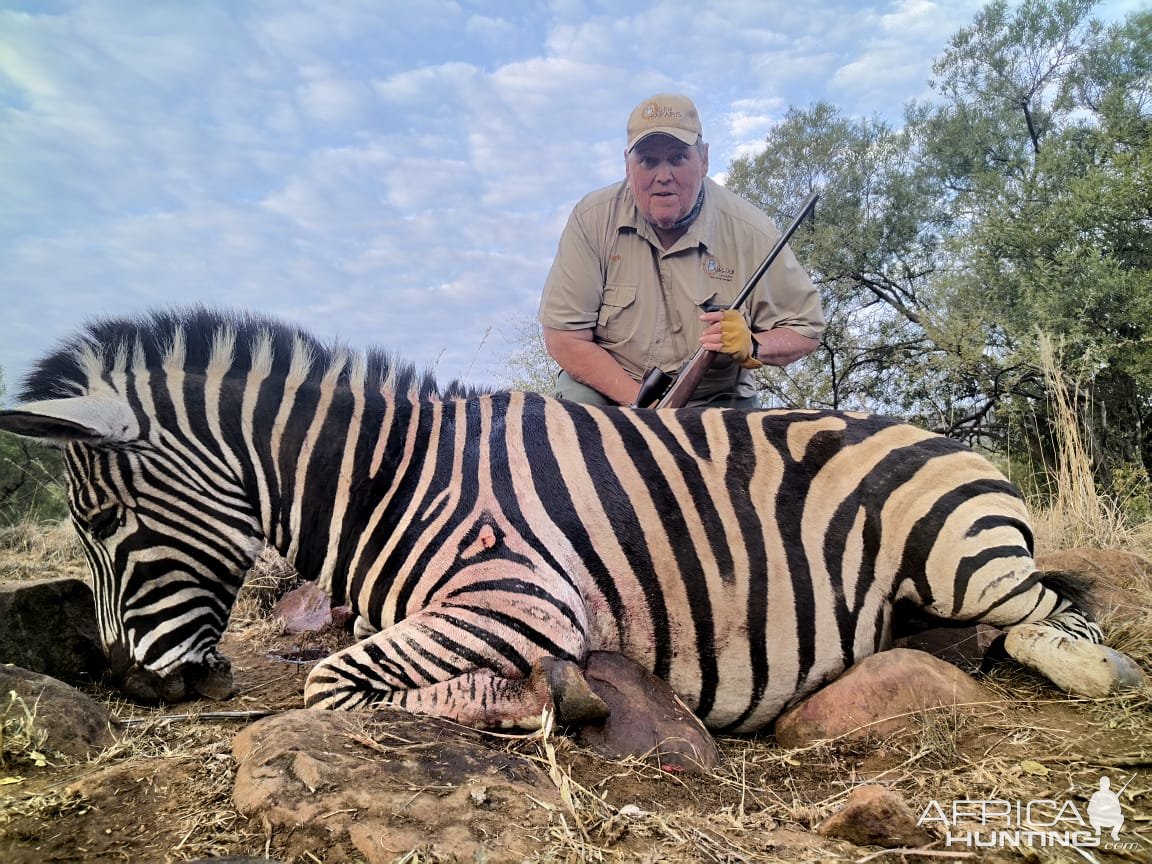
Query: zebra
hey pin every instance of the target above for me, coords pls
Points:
(490, 541)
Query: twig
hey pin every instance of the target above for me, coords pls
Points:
(204, 715)
(928, 853)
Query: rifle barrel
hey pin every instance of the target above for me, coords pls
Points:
(702, 355)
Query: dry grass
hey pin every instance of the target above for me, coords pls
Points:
(1079, 514)
(32, 550)
(21, 737)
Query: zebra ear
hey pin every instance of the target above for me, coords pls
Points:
(91, 419)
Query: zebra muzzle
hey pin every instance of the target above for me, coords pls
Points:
(210, 677)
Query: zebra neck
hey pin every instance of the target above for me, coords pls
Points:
(334, 477)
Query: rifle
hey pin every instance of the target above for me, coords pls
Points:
(678, 389)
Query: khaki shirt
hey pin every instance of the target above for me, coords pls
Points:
(643, 302)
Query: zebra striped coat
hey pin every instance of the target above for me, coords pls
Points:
(745, 557)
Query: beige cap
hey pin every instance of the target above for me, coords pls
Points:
(666, 114)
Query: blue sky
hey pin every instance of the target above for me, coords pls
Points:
(385, 173)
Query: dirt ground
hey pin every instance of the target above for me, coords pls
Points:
(163, 793)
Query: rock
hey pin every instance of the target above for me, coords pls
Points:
(646, 718)
(49, 626)
(390, 782)
(304, 609)
(875, 816)
(48, 711)
(1122, 580)
(878, 696)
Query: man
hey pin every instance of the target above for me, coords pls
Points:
(644, 265)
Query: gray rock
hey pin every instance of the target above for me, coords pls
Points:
(60, 717)
(49, 626)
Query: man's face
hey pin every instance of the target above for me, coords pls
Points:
(665, 176)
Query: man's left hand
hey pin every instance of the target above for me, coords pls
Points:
(728, 333)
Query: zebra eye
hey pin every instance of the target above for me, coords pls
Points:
(104, 524)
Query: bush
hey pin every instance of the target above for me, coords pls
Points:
(31, 485)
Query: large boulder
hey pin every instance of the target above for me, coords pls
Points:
(390, 782)
(49, 715)
(49, 626)
(879, 696)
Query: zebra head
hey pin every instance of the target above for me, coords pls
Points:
(168, 546)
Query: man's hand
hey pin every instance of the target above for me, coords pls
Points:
(728, 333)
(588, 363)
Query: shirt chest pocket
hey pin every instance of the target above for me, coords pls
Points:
(616, 319)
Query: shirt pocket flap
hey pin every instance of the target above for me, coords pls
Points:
(617, 296)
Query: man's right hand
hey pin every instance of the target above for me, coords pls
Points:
(580, 356)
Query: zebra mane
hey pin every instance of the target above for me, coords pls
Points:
(200, 340)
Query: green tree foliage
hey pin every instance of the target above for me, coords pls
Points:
(30, 479)
(1017, 203)
(873, 249)
(529, 367)
(31, 486)
(1043, 144)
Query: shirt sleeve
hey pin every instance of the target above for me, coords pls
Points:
(786, 297)
(574, 289)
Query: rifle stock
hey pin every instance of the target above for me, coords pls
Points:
(687, 379)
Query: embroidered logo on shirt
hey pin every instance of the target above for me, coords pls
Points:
(713, 269)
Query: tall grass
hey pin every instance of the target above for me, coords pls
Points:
(1078, 514)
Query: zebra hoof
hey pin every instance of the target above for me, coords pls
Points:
(572, 698)
(1074, 665)
(1128, 675)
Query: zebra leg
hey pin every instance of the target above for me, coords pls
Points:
(1066, 649)
(361, 629)
(413, 665)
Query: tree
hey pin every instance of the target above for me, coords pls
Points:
(1018, 202)
(1043, 147)
(30, 475)
(529, 367)
(872, 252)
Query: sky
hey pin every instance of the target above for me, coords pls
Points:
(386, 174)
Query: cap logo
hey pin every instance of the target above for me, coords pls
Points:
(653, 111)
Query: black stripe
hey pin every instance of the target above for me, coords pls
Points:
(518, 588)
(926, 531)
(738, 480)
(548, 646)
(477, 660)
(670, 510)
(971, 564)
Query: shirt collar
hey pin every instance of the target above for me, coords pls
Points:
(699, 233)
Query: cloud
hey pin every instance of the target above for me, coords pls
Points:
(392, 174)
